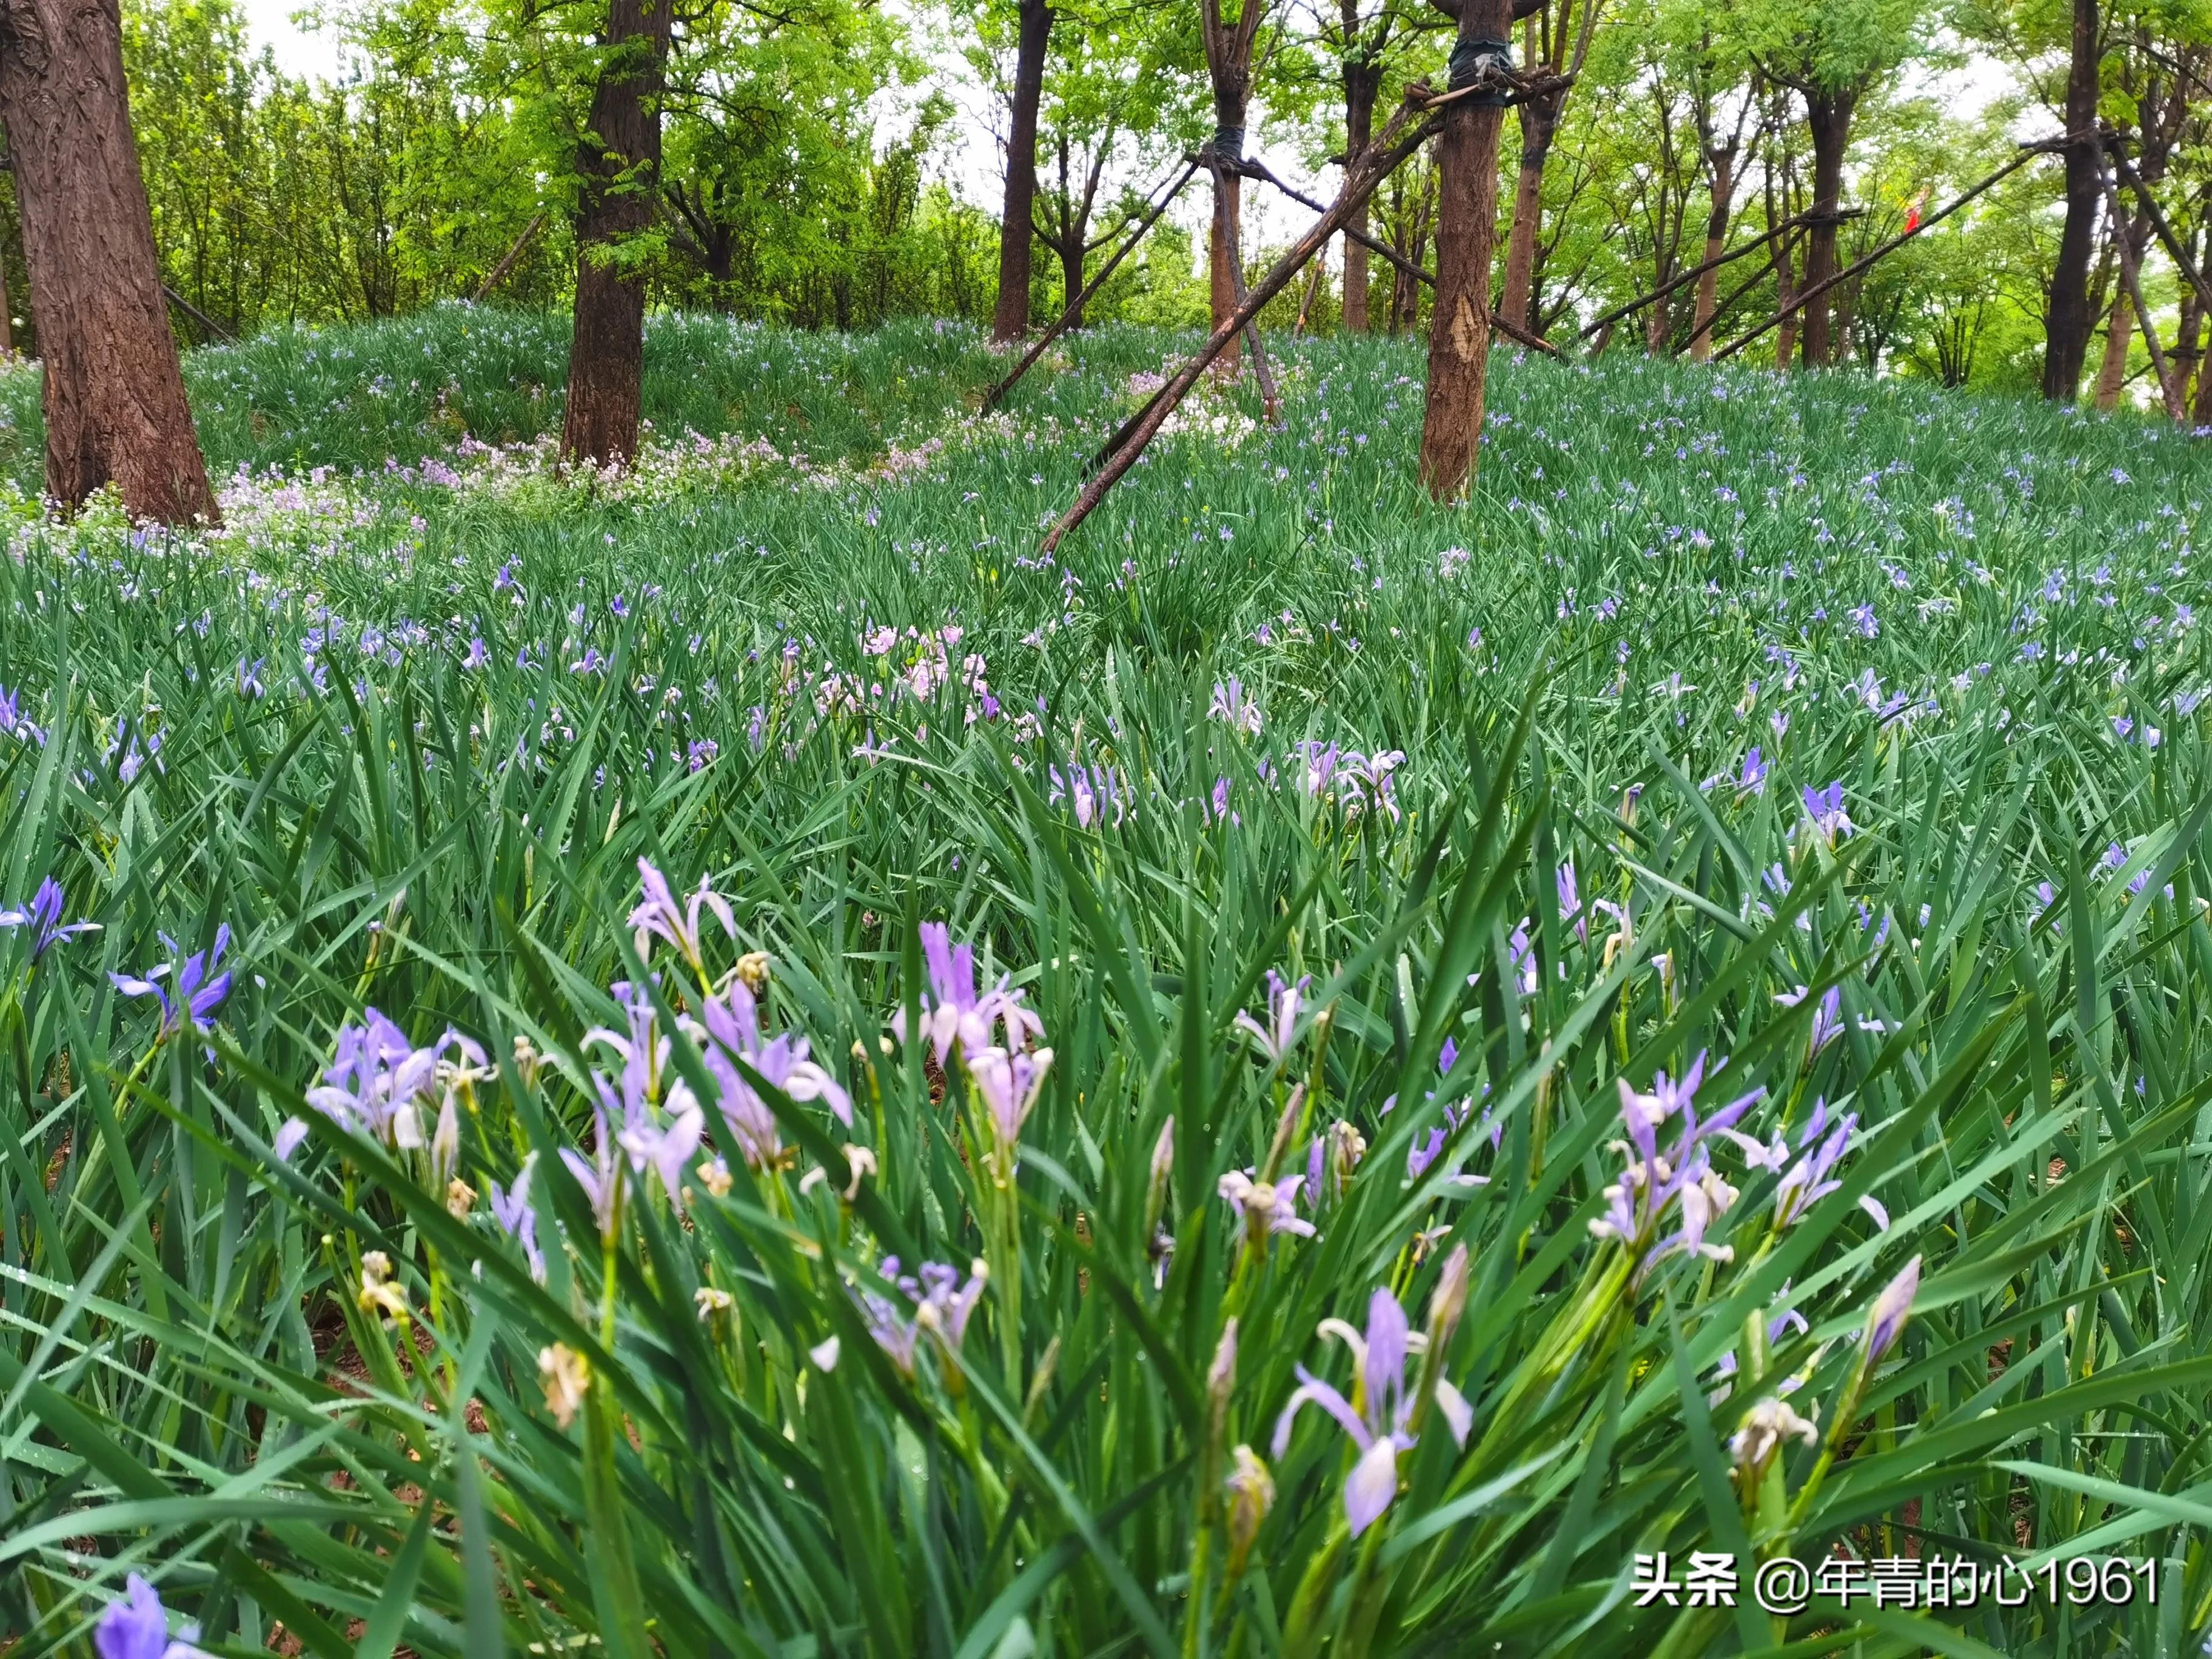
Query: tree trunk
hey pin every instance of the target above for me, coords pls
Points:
(1717, 227)
(1362, 81)
(2068, 314)
(1071, 269)
(1229, 67)
(114, 396)
(619, 163)
(2184, 338)
(1467, 233)
(1228, 197)
(2112, 372)
(1017, 222)
(1828, 116)
(1539, 122)
(2203, 412)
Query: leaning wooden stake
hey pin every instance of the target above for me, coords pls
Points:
(1889, 246)
(1695, 271)
(1513, 331)
(1075, 307)
(1372, 167)
(1779, 250)
(2169, 389)
(2174, 250)
(507, 259)
(1271, 402)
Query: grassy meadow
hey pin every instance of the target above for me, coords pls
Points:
(1666, 1009)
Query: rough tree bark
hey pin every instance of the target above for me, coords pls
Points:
(1716, 226)
(1828, 120)
(114, 397)
(2113, 370)
(1016, 220)
(1229, 48)
(1467, 233)
(619, 163)
(1362, 83)
(2066, 340)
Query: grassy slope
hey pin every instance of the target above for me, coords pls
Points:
(1663, 566)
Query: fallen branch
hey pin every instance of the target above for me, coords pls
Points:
(2027, 154)
(1075, 307)
(1375, 164)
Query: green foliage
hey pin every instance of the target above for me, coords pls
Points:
(688, 1437)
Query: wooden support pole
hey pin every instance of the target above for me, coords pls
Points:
(1075, 307)
(1375, 164)
(1774, 258)
(196, 314)
(1271, 402)
(2174, 250)
(1788, 225)
(1889, 246)
(506, 260)
(2131, 272)
(1525, 336)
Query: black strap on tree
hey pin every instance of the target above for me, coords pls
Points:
(1227, 145)
(1476, 60)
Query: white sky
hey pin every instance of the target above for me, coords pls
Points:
(299, 50)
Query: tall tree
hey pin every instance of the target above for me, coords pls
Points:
(1367, 37)
(1467, 237)
(2067, 343)
(1831, 53)
(114, 394)
(1723, 97)
(1555, 45)
(618, 166)
(1230, 45)
(1017, 220)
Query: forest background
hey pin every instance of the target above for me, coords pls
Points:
(837, 163)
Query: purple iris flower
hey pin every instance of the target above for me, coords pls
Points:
(1384, 1429)
(136, 1626)
(1886, 1322)
(943, 1306)
(518, 1220)
(1283, 1001)
(1637, 1203)
(600, 1175)
(732, 1020)
(199, 990)
(1807, 1178)
(1826, 808)
(953, 1012)
(1752, 780)
(1827, 1016)
(43, 916)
